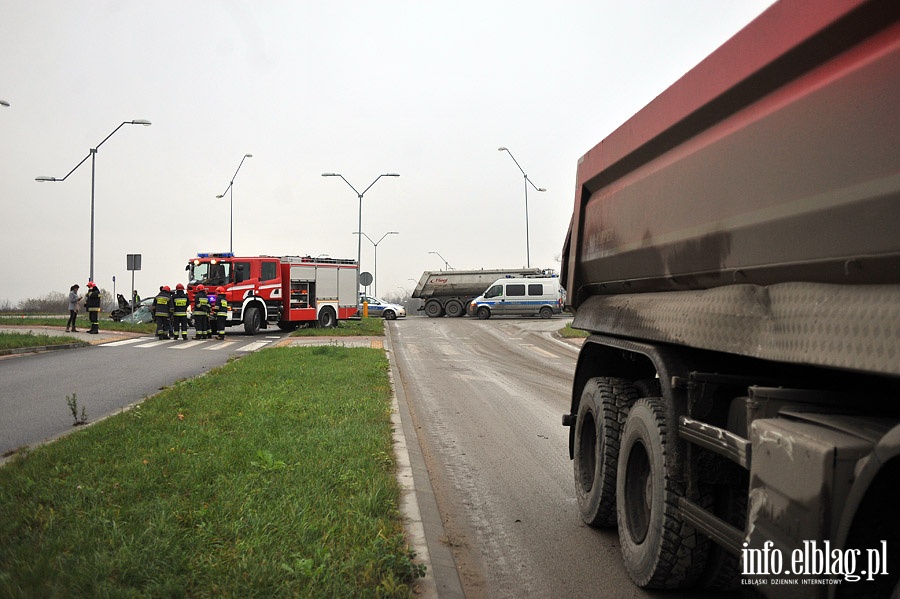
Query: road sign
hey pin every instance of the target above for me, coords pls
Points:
(134, 261)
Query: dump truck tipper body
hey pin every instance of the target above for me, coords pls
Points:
(450, 291)
(734, 251)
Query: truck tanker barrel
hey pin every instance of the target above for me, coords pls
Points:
(734, 255)
(449, 291)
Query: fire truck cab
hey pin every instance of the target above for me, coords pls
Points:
(285, 290)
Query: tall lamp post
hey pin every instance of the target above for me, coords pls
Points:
(360, 196)
(375, 243)
(230, 189)
(527, 183)
(93, 156)
(446, 265)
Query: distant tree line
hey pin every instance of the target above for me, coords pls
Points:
(54, 302)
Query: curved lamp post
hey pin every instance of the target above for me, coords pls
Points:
(4, 103)
(93, 156)
(527, 182)
(446, 265)
(360, 196)
(375, 243)
(230, 188)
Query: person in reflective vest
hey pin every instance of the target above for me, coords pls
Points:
(221, 311)
(92, 303)
(201, 313)
(162, 312)
(179, 312)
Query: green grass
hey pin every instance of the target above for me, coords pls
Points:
(346, 328)
(20, 340)
(80, 323)
(567, 332)
(272, 476)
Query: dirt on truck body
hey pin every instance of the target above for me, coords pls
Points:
(734, 251)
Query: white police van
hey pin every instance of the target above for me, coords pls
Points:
(529, 296)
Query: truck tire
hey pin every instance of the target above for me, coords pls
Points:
(252, 320)
(601, 416)
(434, 309)
(660, 551)
(484, 313)
(546, 312)
(327, 319)
(454, 309)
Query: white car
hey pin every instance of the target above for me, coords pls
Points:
(379, 307)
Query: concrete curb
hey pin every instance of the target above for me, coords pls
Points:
(38, 348)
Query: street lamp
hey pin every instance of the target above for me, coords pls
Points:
(93, 156)
(527, 182)
(360, 196)
(374, 243)
(446, 265)
(4, 103)
(231, 203)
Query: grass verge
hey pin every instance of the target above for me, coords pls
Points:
(272, 476)
(567, 332)
(20, 340)
(81, 323)
(366, 327)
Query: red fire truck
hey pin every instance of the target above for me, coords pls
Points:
(286, 290)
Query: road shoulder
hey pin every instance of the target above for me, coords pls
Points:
(418, 504)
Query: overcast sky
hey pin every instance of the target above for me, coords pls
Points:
(425, 89)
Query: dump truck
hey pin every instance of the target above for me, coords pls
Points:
(450, 291)
(734, 254)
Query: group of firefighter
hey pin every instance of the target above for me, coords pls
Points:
(170, 311)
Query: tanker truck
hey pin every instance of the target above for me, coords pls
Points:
(734, 254)
(450, 291)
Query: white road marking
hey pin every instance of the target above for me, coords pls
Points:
(123, 342)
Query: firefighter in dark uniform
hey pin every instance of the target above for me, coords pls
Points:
(201, 313)
(92, 303)
(221, 311)
(179, 312)
(162, 312)
(212, 313)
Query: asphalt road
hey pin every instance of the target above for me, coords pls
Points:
(486, 398)
(104, 378)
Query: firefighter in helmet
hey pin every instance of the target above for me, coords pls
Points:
(220, 309)
(162, 312)
(92, 303)
(170, 332)
(179, 312)
(201, 313)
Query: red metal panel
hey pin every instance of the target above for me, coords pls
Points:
(773, 160)
(781, 28)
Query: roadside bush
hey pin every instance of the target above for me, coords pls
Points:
(54, 302)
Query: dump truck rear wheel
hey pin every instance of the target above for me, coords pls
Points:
(659, 549)
(434, 309)
(601, 416)
(454, 309)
